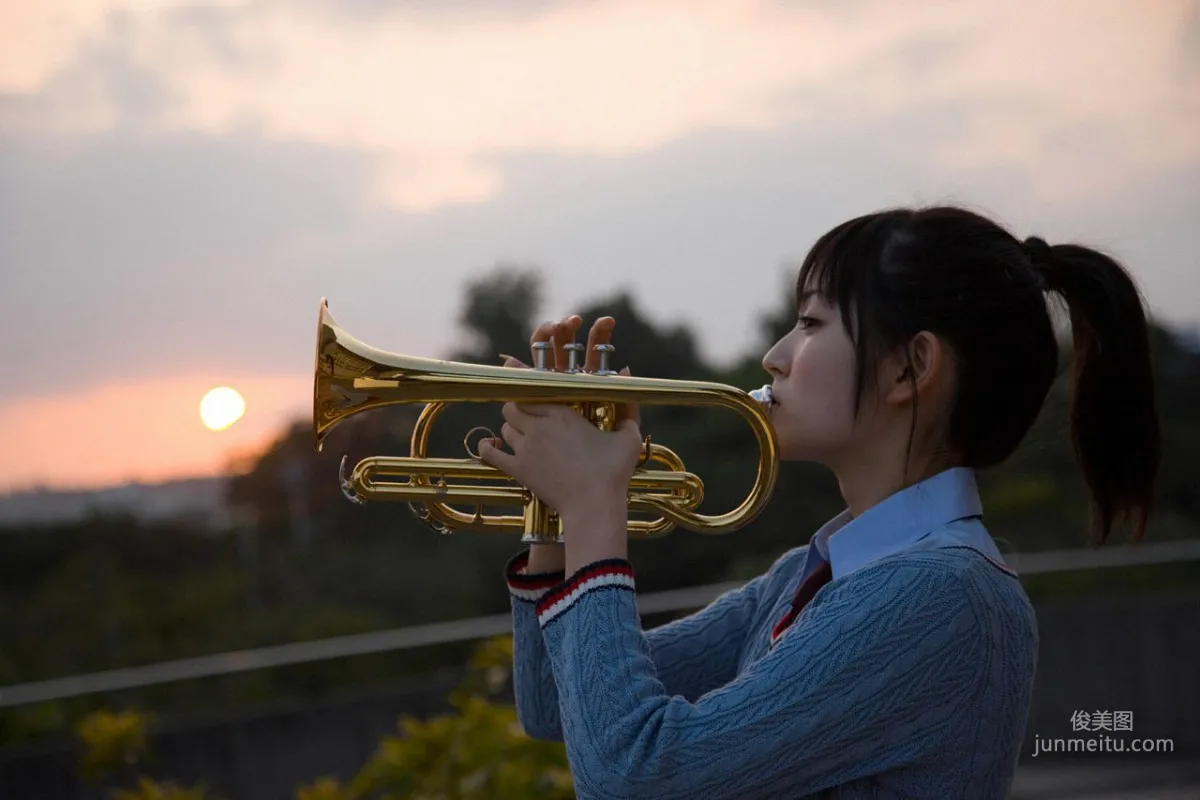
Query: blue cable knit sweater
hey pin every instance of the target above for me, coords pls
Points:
(908, 675)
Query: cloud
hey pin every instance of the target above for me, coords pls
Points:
(181, 182)
(136, 258)
(437, 98)
(132, 256)
(43, 37)
(101, 87)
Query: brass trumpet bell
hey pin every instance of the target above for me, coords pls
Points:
(352, 377)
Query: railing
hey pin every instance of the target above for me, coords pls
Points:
(483, 627)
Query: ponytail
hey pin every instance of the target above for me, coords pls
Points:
(1114, 425)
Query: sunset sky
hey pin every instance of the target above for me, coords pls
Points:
(181, 181)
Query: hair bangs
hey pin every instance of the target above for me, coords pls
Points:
(841, 268)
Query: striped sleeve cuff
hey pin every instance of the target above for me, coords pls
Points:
(609, 574)
(530, 588)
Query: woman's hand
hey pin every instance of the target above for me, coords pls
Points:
(564, 459)
(578, 470)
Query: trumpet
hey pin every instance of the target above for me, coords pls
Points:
(351, 377)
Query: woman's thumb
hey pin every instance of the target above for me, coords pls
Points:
(510, 361)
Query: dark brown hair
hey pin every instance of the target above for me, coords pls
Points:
(964, 278)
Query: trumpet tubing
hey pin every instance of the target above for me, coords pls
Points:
(351, 377)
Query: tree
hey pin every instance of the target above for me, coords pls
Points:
(649, 349)
(499, 312)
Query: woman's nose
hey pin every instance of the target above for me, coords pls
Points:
(773, 364)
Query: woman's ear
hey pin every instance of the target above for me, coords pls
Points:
(923, 366)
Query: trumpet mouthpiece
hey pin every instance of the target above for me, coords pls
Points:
(763, 396)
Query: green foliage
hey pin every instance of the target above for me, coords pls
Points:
(112, 741)
(115, 745)
(479, 751)
(323, 789)
(148, 789)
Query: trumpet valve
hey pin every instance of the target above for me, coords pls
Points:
(541, 352)
(604, 351)
(573, 350)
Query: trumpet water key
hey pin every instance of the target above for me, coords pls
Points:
(352, 377)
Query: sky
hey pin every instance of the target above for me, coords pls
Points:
(181, 181)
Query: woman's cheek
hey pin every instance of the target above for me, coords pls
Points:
(824, 415)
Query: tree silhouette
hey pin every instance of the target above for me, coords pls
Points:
(648, 349)
(498, 312)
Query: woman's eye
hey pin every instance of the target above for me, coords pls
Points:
(805, 323)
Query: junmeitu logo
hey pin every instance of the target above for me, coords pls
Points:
(1095, 721)
(1102, 721)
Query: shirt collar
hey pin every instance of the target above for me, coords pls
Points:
(850, 543)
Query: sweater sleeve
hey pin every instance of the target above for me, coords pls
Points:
(692, 655)
(855, 687)
(534, 691)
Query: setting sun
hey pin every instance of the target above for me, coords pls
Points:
(221, 407)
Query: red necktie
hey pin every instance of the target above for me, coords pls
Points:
(808, 587)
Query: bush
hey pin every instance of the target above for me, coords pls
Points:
(478, 751)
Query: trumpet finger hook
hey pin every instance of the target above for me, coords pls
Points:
(645, 452)
(347, 486)
(467, 440)
(421, 512)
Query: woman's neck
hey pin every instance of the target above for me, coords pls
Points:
(873, 480)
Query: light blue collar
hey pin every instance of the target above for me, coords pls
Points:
(850, 543)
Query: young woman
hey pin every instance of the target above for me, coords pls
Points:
(893, 655)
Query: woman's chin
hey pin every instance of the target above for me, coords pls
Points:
(792, 450)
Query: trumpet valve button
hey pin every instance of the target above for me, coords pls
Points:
(541, 352)
(573, 350)
(604, 351)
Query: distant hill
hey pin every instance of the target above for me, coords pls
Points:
(200, 500)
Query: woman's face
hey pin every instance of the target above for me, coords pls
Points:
(813, 371)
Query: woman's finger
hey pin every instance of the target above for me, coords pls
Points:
(520, 416)
(511, 435)
(601, 333)
(490, 453)
(542, 333)
(564, 334)
(534, 409)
